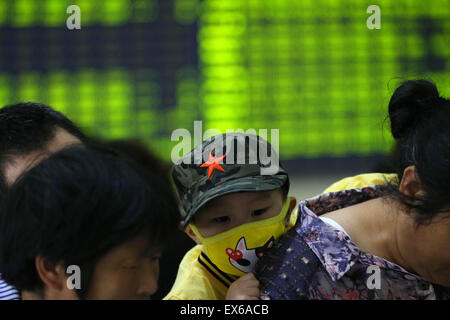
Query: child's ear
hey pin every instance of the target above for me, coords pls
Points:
(292, 204)
(190, 233)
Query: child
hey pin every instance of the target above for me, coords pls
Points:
(234, 213)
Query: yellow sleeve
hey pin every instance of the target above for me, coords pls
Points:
(192, 283)
(362, 180)
(293, 217)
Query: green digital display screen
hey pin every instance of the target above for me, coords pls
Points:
(310, 68)
(314, 70)
(52, 13)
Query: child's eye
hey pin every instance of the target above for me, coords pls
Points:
(258, 212)
(221, 219)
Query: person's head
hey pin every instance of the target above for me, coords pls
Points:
(90, 209)
(28, 131)
(420, 124)
(230, 207)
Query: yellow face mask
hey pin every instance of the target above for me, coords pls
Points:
(237, 250)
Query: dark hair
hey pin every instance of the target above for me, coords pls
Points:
(143, 156)
(29, 126)
(76, 206)
(137, 152)
(420, 124)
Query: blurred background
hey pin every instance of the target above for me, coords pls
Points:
(310, 68)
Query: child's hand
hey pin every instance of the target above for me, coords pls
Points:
(244, 288)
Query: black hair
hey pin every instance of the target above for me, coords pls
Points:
(137, 152)
(420, 124)
(76, 206)
(27, 127)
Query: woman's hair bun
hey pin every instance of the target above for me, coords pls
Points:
(410, 102)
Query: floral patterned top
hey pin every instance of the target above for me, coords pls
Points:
(314, 260)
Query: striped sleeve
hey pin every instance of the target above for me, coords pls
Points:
(8, 292)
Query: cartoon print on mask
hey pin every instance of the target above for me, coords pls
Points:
(245, 259)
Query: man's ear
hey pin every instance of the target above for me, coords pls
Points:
(189, 232)
(53, 276)
(410, 184)
(292, 204)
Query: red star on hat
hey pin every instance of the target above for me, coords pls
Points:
(213, 164)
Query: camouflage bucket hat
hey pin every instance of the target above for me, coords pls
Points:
(224, 164)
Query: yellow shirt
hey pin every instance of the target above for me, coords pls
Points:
(198, 279)
(193, 282)
(362, 180)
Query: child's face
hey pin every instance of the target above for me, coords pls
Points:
(232, 210)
